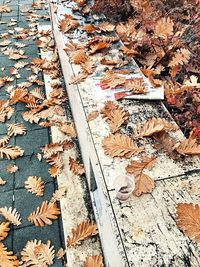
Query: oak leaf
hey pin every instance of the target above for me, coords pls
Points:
(143, 184)
(5, 9)
(60, 254)
(11, 215)
(76, 167)
(45, 253)
(4, 230)
(98, 46)
(37, 92)
(164, 28)
(7, 259)
(16, 129)
(93, 261)
(181, 57)
(35, 185)
(120, 145)
(188, 219)
(51, 149)
(12, 168)
(2, 182)
(44, 214)
(136, 86)
(54, 171)
(81, 232)
(4, 140)
(58, 194)
(137, 167)
(69, 129)
(78, 56)
(189, 147)
(92, 116)
(112, 80)
(11, 152)
(30, 116)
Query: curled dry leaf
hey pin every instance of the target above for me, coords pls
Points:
(112, 80)
(44, 214)
(188, 219)
(4, 230)
(11, 215)
(11, 152)
(152, 126)
(136, 86)
(12, 168)
(143, 184)
(76, 167)
(189, 147)
(16, 129)
(81, 232)
(35, 185)
(7, 259)
(93, 261)
(120, 145)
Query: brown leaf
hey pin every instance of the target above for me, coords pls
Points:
(17, 95)
(58, 194)
(93, 115)
(11, 152)
(165, 141)
(136, 86)
(7, 257)
(137, 167)
(93, 261)
(189, 147)
(81, 232)
(181, 57)
(164, 28)
(152, 126)
(12, 168)
(44, 214)
(188, 219)
(37, 92)
(4, 140)
(112, 80)
(45, 253)
(115, 115)
(5, 9)
(60, 254)
(16, 129)
(30, 116)
(11, 215)
(2, 182)
(78, 56)
(54, 171)
(35, 185)
(4, 230)
(68, 129)
(98, 46)
(51, 149)
(75, 167)
(120, 145)
(143, 184)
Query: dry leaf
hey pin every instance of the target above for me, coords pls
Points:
(45, 253)
(78, 56)
(5, 9)
(4, 140)
(58, 194)
(11, 152)
(164, 28)
(98, 46)
(44, 214)
(137, 167)
(7, 259)
(2, 182)
(12, 168)
(16, 129)
(136, 85)
(37, 92)
(189, 147)
(112, 80)
(54, 171)
(60, 254)
(93, 261)
(4, 230)
(69, 129)
(93, 115)
(165, 141)
(11, 215)
(188, 219)
(81, 232)
(35, 185)
(181, 57)
(120, 145)
(75, 167)
(51, 149)
(143, 184)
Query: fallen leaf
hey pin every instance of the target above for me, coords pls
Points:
(188, 147)
(58, 194)
(2, 182)
(11, 215)
(35, 185)
(12, 168)
(61, 253)
(93, 261)
(7, 259)
(16, 129)
(143, 184)
(4, 230)
(76, 167)
(11, 152)
(137, 167)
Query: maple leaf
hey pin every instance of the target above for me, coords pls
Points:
(115, 115)
(16, 129)
(93, 261)
(188, 147)
(45, 253)
(143, 184)
(137, 167)
(164, 28)
(4, 140)
(81, 232)
(11, 215)
(2, 182)
(44, 214)
(35, 185)
(181, 57)
(7, 259)
(120, 145)
(11, 152)
(58, 194)
(12, 168)
(188, 219)
(4, 230)
(76, 167)
(152, 126)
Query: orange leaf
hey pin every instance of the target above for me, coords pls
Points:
(143, 184)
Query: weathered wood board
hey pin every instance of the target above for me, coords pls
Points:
(140, 232)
